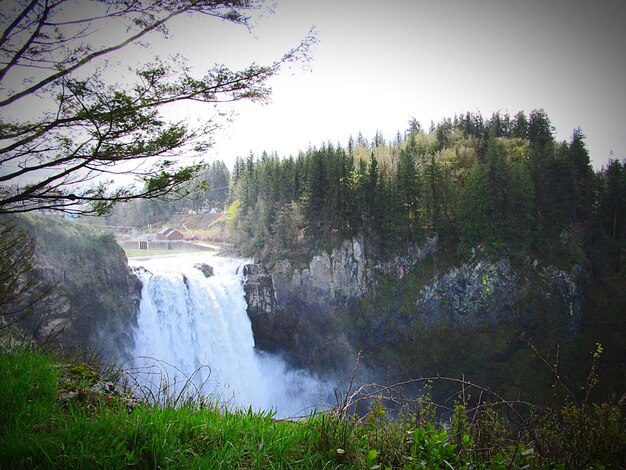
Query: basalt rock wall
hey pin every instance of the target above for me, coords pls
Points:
(294, 309)
(93, 295)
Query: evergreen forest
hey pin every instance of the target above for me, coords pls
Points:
(501, 186)
(503, 183)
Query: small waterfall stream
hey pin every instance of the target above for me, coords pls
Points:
(195, 328)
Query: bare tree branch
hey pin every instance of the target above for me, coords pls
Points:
(53, 160)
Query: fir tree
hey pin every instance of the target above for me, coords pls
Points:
(584, 175)
(408, 190)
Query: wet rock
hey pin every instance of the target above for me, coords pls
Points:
(568, 287)
(204, 269)
(477, 293)
(292, 308)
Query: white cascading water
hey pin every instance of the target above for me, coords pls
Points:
(190, 327)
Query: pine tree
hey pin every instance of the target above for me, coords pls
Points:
(497, 189)
(584, 174)
(563, 190)
(238, 169)
(218, 179)
(393, 223)
(521, 221)
(361, 141)
(613, 201)
(435, 196)
(414, 127)
(408, 191)
(443, 133)
(473, 221)
(250, 185)
(520, 126)
(379, 140)
(314, 197)
(541, 158)
(373, 204)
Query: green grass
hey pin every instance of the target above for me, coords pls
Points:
(50, 417)
(38, 430)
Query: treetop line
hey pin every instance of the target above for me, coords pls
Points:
(501, 182)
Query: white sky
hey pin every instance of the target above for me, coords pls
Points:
(377, 64)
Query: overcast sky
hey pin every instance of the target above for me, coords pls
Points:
(377, 64)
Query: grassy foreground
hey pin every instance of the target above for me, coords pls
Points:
(55, 414)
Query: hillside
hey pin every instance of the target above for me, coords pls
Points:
(91, 296)
(476, 237)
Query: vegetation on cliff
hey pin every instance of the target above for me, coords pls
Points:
(492, 190)
(502, 182)
(90, 295)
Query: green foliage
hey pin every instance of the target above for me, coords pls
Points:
(473, 213)
(16, 262)
(612, 182)
(501, 182)
(40, 430)
(408, 190)
(233, 212)
(51, 417)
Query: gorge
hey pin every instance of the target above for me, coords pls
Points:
(242, 330)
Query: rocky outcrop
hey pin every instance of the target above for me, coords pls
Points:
(478, 293)
(490, 292)
(293, 328)
(292, 308)
(205, 269)
(328, 282)
(94, 296)
(259, 290)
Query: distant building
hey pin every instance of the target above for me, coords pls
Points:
(168, 233)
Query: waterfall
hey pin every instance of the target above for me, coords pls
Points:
(193, 332)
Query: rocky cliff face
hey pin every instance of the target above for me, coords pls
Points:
(490, 292)
(482, 292)
(328, 282)
(94, 295)
(293, 309)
